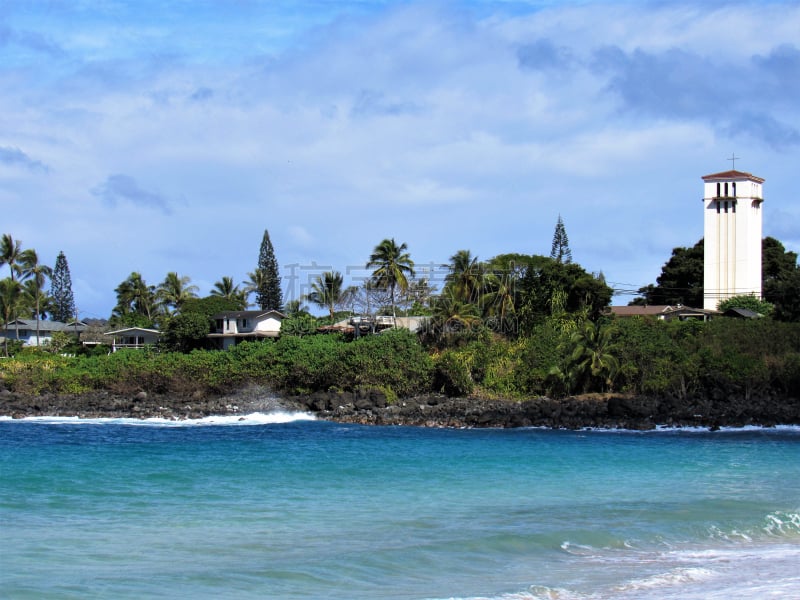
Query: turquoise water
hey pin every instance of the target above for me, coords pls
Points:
(308, 509)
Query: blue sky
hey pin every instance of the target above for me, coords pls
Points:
(167, 136)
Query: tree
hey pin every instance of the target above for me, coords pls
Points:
(268, 294)
(584, 294)
(393, 266)
(10, 292)
(466, 278)
(17, 259)
(452, 315)
(591, 361)
(61, 291)
(256, 280)
(417, 296)
(187, 331)
(681, 279)
(225, 288)
(500, 301)
(780, 278)
(294, 308)
(749, 302)
(175, 290)
(12, 254)
(136, 303)
(38, 274)
(327, 291)
(560, 251)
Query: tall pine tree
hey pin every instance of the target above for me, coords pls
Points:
(61, 291)
(560, 251)
(268, 293)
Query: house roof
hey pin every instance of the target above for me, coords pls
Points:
(132, 330)
(640, 311)
(45, 325)
(660, 310)
(728, 175)
(248, 314)
(744, 313)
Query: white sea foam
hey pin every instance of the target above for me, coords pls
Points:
(257, 418)
(673, 577)
(659, 429)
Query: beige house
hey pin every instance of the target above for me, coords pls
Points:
(133, 337)
(233, 326)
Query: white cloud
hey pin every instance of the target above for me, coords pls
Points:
(428, 124)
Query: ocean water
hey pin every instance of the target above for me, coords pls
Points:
(282, 506)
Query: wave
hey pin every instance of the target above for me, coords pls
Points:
(778, 524)
(257, 418)
(670, 429)
(751, 572)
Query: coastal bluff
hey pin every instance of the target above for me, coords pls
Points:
(371, 407)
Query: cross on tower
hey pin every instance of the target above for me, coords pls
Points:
(733, 160)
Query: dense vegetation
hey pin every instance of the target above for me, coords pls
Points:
(513, 326)
(640, 356)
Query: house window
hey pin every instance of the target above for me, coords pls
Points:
(726, 190)
(244, 323)
(718, 190)
(734, 188)
(717, 203)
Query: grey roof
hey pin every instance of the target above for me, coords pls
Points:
(45, 325)
(745, 313)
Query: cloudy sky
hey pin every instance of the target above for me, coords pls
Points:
(160, 136)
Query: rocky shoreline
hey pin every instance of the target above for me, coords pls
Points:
(370, 407)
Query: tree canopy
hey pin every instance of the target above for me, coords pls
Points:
(681, 280)
(268, 292)
(559, 250)
(392, 268)
(61, 291)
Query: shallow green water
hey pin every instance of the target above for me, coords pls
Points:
(309, 509)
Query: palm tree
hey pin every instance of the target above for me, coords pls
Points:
(175, 290)
(451, 315)
(12, 254)
(500, 300)
(393, 266)
(294, 308)
(10, 293)
(135, 299)
(466, 276)
(37, 274)
(592, 356)
(225, 288)
(327, 291)
(256, 280)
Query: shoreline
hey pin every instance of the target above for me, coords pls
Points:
(370, 407)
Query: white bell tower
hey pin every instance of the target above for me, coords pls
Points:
(732, 234)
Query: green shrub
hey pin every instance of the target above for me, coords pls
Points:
(451, 376)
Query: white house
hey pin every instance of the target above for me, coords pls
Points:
(732, 231)
(25, 330)
(133, 337)
(233, 326)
